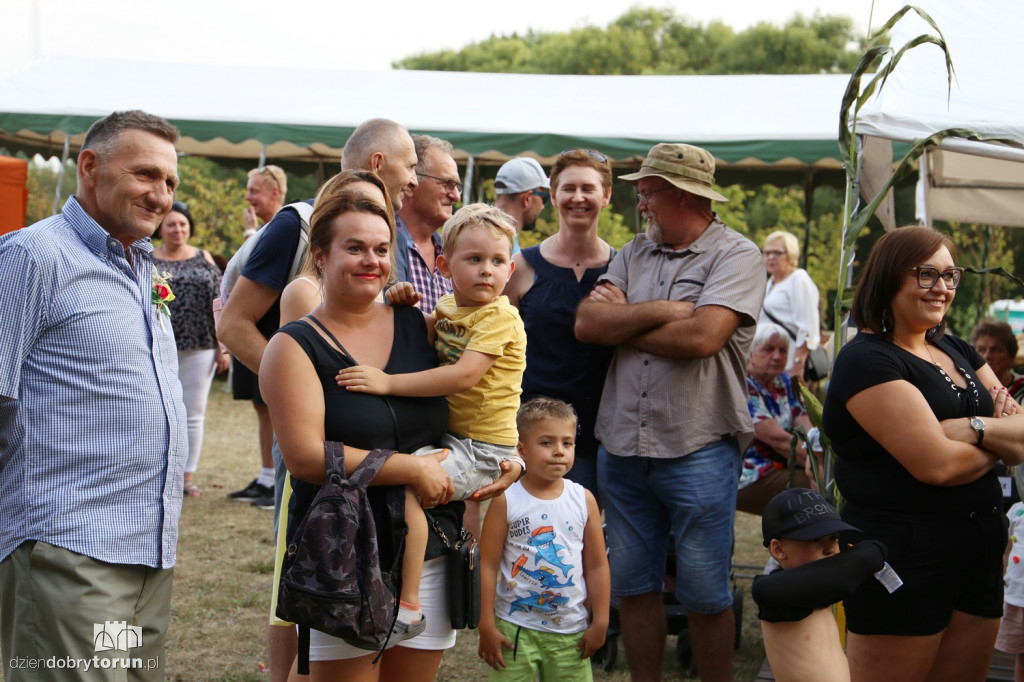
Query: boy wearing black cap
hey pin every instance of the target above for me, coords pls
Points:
(801, 531)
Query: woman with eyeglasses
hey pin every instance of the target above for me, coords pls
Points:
(791, 300)
(917, 421)
(549, 281)
(195, 282)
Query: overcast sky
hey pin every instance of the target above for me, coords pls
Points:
(355, 34)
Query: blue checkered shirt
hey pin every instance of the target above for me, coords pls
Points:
(92, 428)
(432, 285)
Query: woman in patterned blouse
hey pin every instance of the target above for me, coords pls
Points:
(195, 281)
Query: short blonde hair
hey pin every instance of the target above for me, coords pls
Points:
(277, 177)
(532, 411)
(789, 243)
(472, 215)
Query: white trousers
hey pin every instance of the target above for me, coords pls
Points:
(195, 371)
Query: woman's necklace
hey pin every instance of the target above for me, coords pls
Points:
(927, 350)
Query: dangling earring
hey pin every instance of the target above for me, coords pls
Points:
(885, 324)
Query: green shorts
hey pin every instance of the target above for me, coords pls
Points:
(544, 656)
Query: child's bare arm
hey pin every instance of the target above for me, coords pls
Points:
(402, 293)
(446, 380)
(597, 577)
(492, 542)
(510, 473)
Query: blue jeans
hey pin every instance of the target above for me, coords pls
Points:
(694, 497)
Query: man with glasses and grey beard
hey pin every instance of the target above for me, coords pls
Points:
(423, 211)
(680, 303)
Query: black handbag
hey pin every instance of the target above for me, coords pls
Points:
(816, 365)
(462, 566)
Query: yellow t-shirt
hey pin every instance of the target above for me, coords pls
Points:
(486, 412)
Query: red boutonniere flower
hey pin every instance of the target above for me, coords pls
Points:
(162, 293)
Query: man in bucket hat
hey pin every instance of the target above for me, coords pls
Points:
(679, 303)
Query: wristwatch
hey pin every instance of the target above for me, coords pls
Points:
(979, 428)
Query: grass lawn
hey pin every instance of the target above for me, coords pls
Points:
(225, 568)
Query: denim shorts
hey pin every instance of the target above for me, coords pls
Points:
(694, 497)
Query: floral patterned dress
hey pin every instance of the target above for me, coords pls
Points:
(779, 403)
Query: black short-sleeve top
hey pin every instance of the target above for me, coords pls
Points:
(867, 475)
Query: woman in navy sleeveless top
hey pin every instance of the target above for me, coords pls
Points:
(549, 281)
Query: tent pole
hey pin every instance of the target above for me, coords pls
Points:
(263, 156)
(60, 176)
(808, 207)
(468, 177)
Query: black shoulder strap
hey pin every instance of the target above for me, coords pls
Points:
(333, 338)
(770, 317)
(303, 668)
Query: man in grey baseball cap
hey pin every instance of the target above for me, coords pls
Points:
(522, 188)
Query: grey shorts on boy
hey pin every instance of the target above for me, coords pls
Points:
(471, 464)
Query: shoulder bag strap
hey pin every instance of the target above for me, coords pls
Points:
(369, 467)
(776, 321)
(333, 338)
(334, 458)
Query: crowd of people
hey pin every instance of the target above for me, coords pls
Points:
(650, 385)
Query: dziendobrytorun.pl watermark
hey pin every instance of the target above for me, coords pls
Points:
(86, 664)
(107, 636)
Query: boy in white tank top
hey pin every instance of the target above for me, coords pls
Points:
(545, 574)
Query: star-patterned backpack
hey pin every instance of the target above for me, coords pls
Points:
(331, 578)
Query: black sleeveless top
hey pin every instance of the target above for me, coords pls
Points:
(363, 420)
(369, 421)
(557, 364)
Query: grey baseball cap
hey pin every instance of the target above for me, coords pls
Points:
(519, 175)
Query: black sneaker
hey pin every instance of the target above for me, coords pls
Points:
(265, 501)
(251, 492)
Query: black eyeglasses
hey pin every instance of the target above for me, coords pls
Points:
(927, 276)
(596, 156)
(542, 193)
(646, 196)
(449, 184)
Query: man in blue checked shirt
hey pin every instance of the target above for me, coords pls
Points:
(92, 428)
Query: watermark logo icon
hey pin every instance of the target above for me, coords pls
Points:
(118, 635)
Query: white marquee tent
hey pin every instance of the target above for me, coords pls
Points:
(961, 180)
(775, 123)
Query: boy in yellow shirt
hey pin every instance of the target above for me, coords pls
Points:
(481, 345)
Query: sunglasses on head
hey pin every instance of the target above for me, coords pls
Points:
(265, 170)
(596, 156)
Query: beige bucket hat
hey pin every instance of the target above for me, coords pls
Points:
(687, 167)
